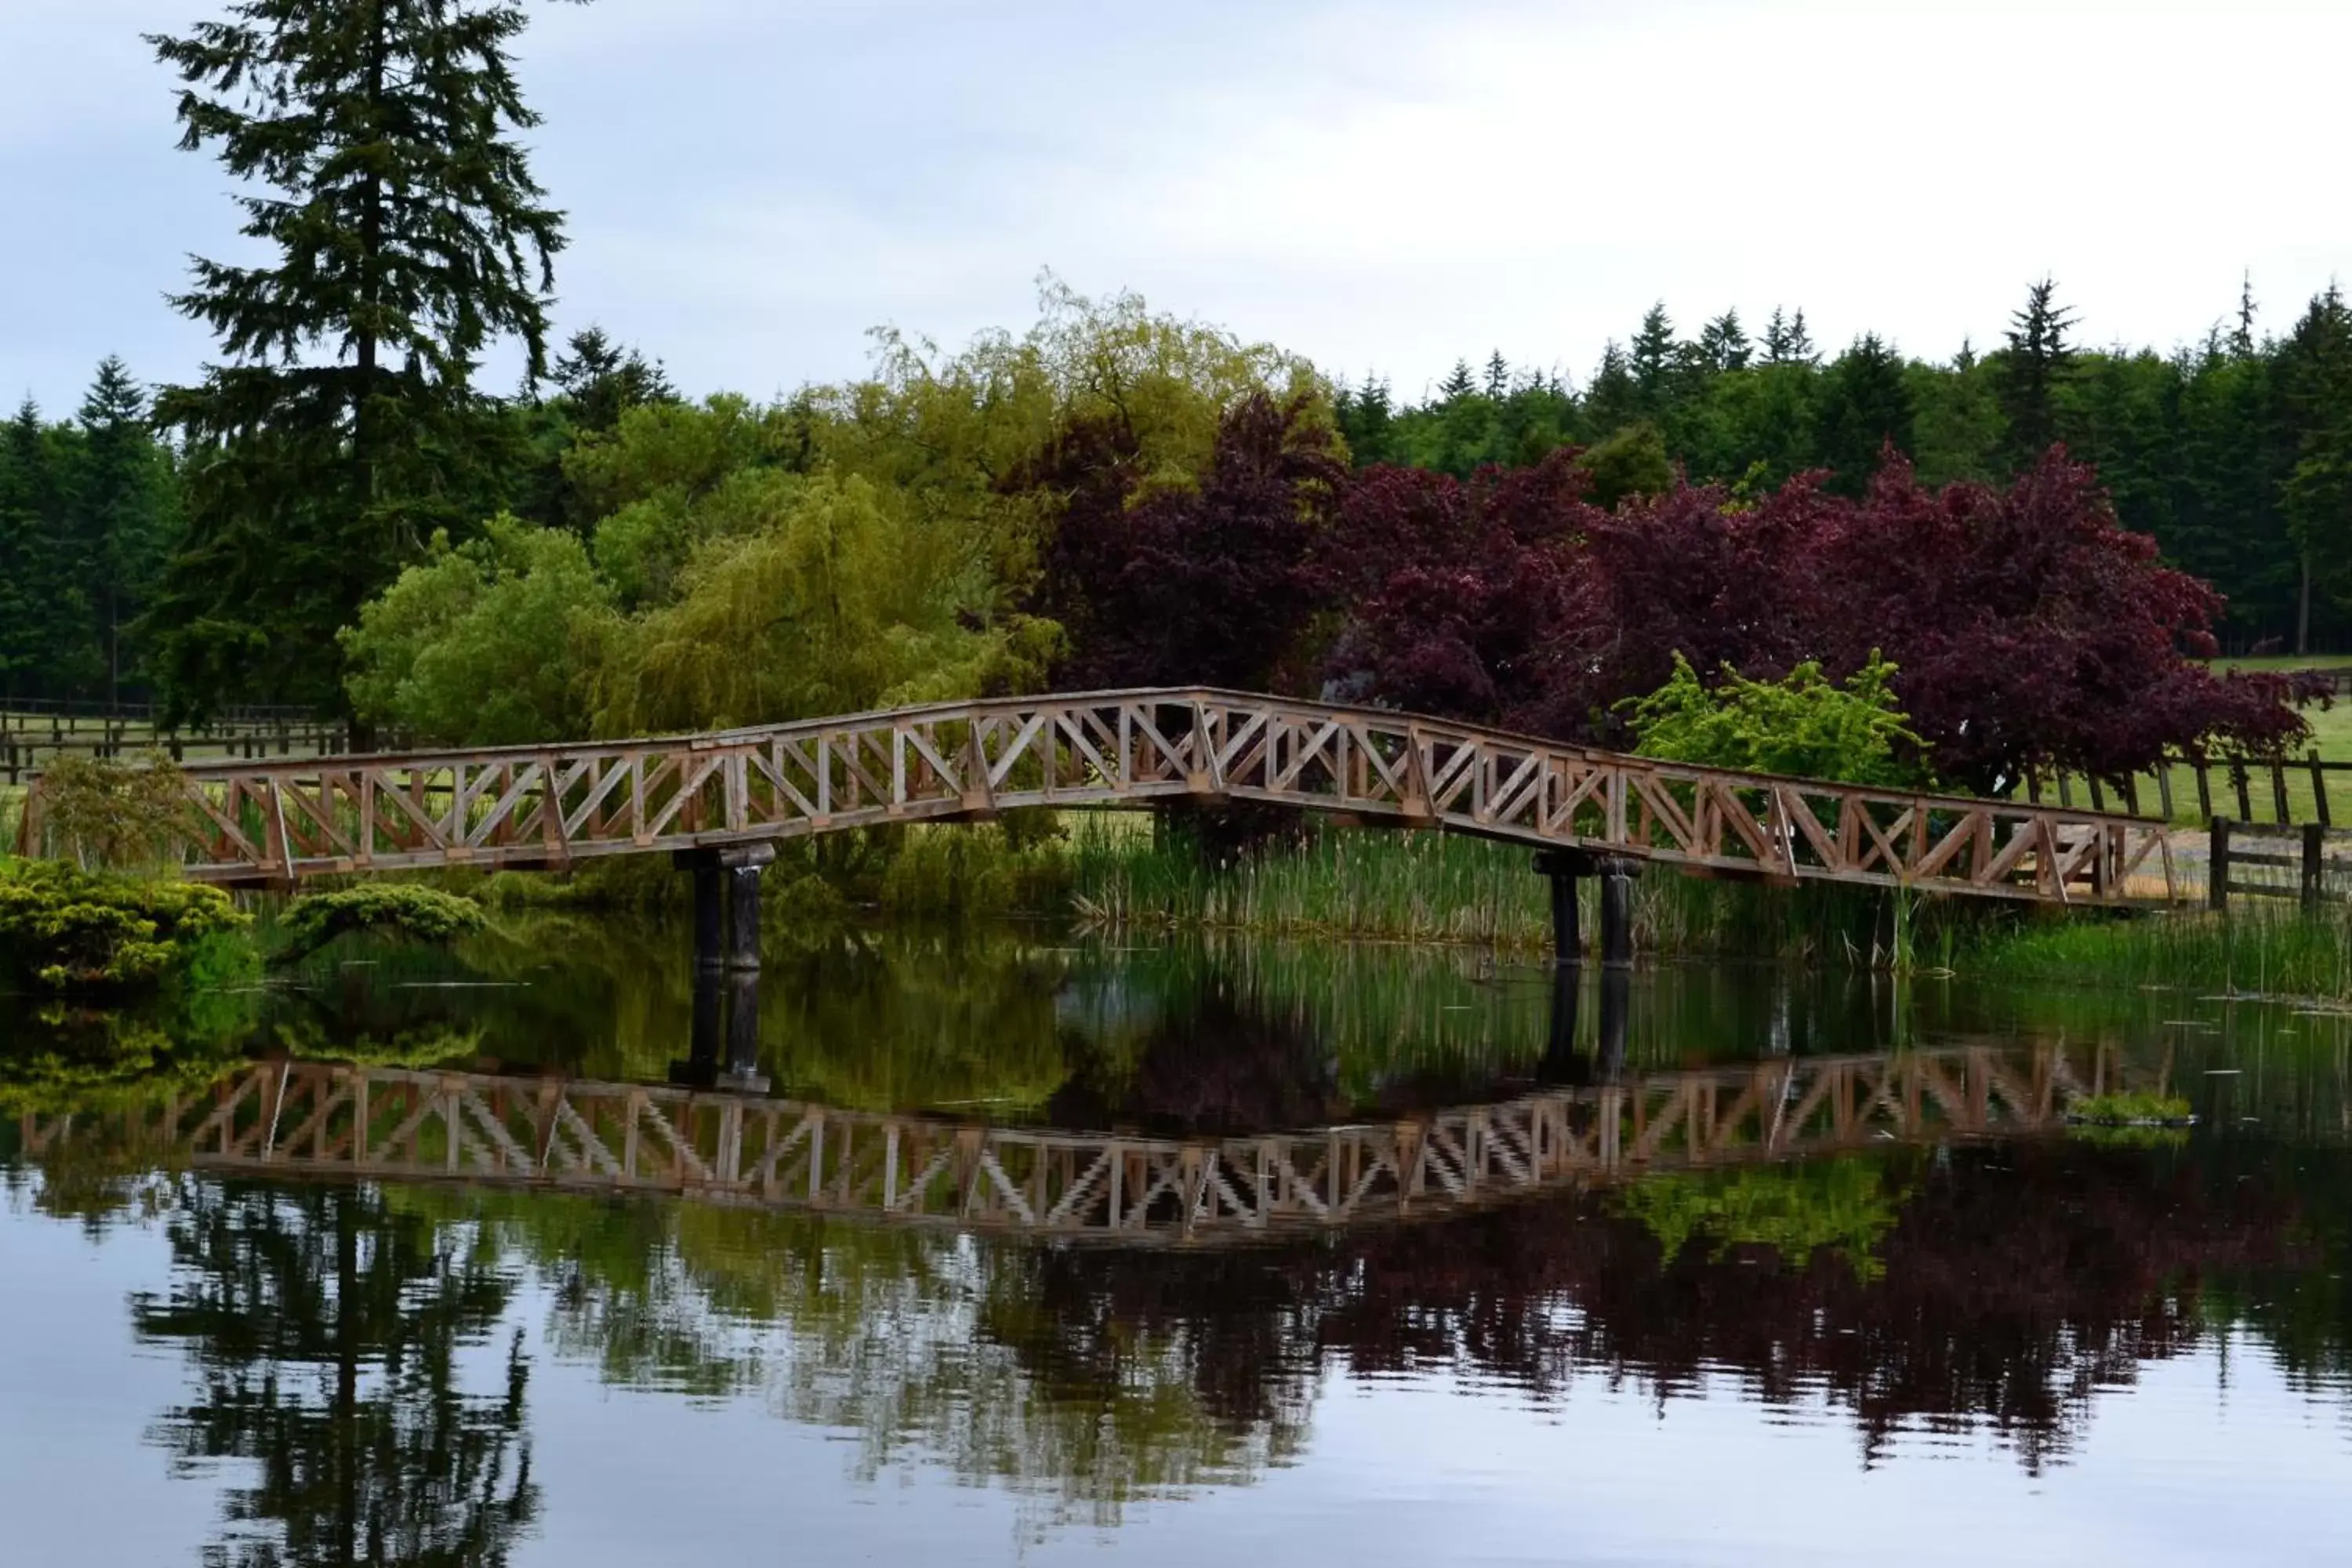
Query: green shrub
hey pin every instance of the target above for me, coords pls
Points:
(398, 908)
(114, 815)
(65, 928)
(1801, 724)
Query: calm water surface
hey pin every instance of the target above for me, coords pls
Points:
(2031, 1345)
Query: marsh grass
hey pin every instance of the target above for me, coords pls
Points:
(1431, 887)
(2257, 949)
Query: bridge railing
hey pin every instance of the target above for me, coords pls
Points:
(541, 806)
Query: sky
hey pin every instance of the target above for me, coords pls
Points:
(752, 184)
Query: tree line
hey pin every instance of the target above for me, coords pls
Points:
(2234, 453)
(337, 514)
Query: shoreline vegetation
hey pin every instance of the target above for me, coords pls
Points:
(1131, 873)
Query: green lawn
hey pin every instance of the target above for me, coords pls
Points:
(2331, 738)
(2288, 662)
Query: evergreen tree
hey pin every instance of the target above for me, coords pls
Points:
(1865, 407)
(1613, 401)
(2033, 368)
(1958, 426)
(1457, 385)
(1365, 415)
(2315, 404)
(1653, 358)
(42, 615)
(1723, 345)
(119, 518)
(599, 381)
(1785, 340)
(1499, 377)
(406, 234)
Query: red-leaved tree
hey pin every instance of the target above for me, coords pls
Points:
(2028, 628)
(1210, 586)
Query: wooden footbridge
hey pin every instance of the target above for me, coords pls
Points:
(300, 1119)
(736, 792)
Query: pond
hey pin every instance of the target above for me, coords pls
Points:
(1010, 1245)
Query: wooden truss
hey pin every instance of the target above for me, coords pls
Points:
(312, 1118)
(281, 821)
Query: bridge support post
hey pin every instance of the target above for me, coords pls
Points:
(743, 1034)
(723, 1051)
(743, 917)
(1564, 868)
(709, 918)
(1616, 1005)
(1617, 874)
(1560, 1063)
(726, 904)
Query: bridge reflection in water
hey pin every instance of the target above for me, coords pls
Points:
(714, 1136)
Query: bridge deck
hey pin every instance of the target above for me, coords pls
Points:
(281, 821)
(295, 1119)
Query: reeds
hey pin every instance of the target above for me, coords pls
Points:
(1333, 882)
(1430, 887)
(2254, 950)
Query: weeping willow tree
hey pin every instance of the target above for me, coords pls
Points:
(856, 545)
(839, 597)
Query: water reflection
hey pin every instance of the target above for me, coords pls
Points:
(368, 1352)
(325, 1331)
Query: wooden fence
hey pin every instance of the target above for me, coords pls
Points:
(2248, 859)
(2279, 791)
(35, 734)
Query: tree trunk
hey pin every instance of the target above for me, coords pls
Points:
(363, 340)
(2303, 611)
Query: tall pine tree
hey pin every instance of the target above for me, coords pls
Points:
(1865, 407)
(2315, 376)
(405, 235)
(2033, 367)
(43, 652)
(120, 518)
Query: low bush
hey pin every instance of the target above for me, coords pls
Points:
(397, 909)
(65, 929)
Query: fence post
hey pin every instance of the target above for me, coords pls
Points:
(2319, 789)
(2098, 795)
(2217, 867)
(2204, 790)
(2278, 790)
(2164, 786)
(2314, 845)
(2245, 798)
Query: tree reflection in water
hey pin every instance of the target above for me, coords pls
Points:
(328, 1330)
(1989, 1288)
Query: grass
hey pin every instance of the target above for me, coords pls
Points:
(1429, 886)
(2331, 740)
(2256, 950)
(2278, 661)
(2126, 1107)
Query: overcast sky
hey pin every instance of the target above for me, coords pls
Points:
(752, 184)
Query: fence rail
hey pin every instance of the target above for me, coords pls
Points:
(33, 736)
(2300, 863)
(2279, 791)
